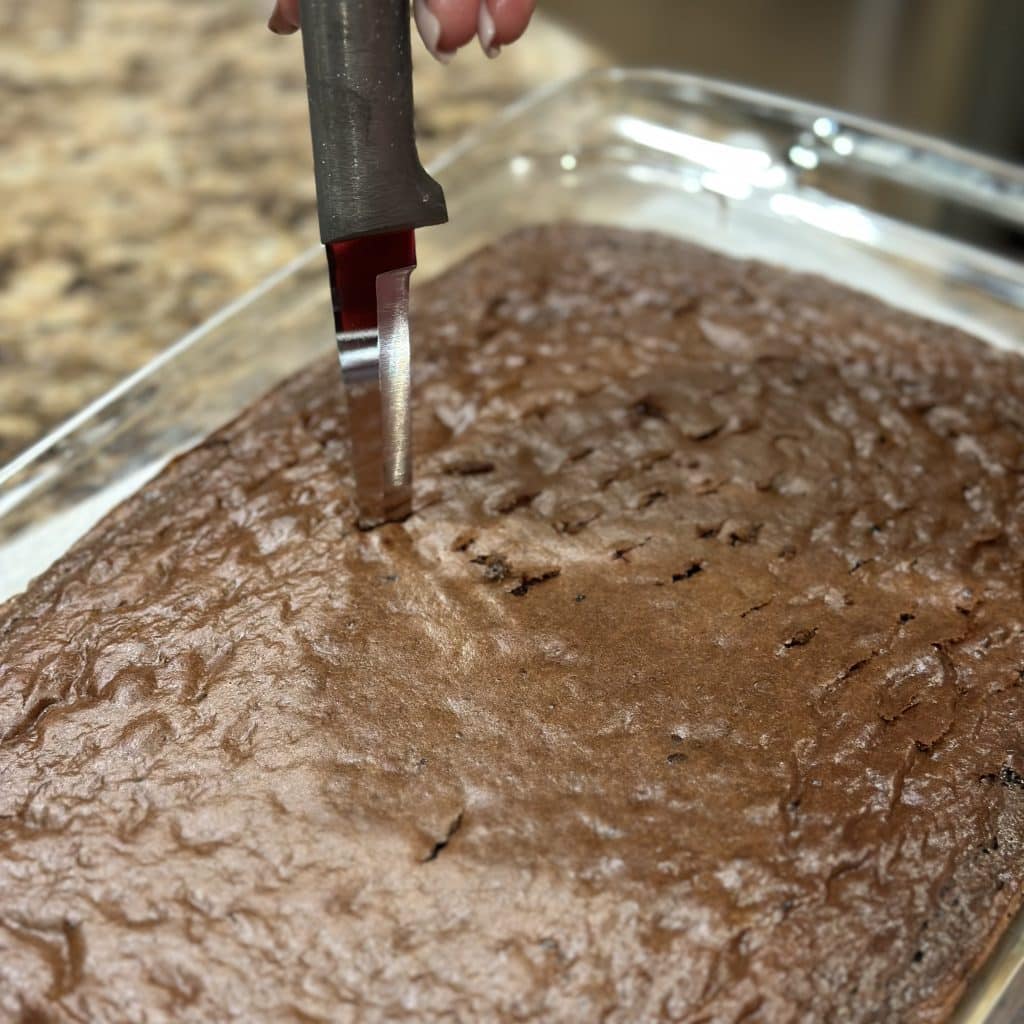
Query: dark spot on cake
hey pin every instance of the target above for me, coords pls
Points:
(582, 453)
(436, 849)
(551, 946)
(708, 433)
(647, 408)
(685, 307)
(678, 758)
(517, 502)
(580, 597)
(649, 499)
(527, 583)
(463, 542)
(471, 467)
(688, 573)
(800, 638)
(755, 608)
(737, 533)
(623, 548)
(495, 567)
(1008, 777)
(390, 578)
(918, 956)
(906, 617)
(577, 524)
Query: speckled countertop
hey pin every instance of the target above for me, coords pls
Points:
(157, 164)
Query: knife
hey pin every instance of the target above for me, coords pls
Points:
(372, 193)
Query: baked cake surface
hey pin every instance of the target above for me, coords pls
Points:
(692, 690)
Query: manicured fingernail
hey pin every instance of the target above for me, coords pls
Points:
(280, 25)
(485, 30)
(430, 30)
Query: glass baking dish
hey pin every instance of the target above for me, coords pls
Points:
(920, 224)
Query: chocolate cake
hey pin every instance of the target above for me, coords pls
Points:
(691, 690)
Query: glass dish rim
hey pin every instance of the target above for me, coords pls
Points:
(985, 175)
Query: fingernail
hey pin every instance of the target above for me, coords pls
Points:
(485, 30)
(430, 30)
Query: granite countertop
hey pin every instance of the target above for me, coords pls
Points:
(157, 165)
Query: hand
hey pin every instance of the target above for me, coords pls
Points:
(445, 25)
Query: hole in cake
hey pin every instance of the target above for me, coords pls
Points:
(906, 617)
(624, 547)
(677, 758)
(577, 522)
(689, 573)
(550, 945)
(519, 501)
(527, 583)
(495, 567)
(471, 467)
(647, 409)
(740, 533)
(707, 435)
(918, 956)
(685, 307)
(649, 499)
(800, 638)
(436, 849)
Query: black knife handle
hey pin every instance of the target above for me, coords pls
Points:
(369, 178)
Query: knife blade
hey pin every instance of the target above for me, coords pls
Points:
(370, 291)
(372, 192)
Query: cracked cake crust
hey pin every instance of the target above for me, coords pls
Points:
(692, 690)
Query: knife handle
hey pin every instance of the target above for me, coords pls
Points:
(369, 178)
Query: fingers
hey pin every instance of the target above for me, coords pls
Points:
(445, 25)
(284, 20)
(509, 17)
(457, 20)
